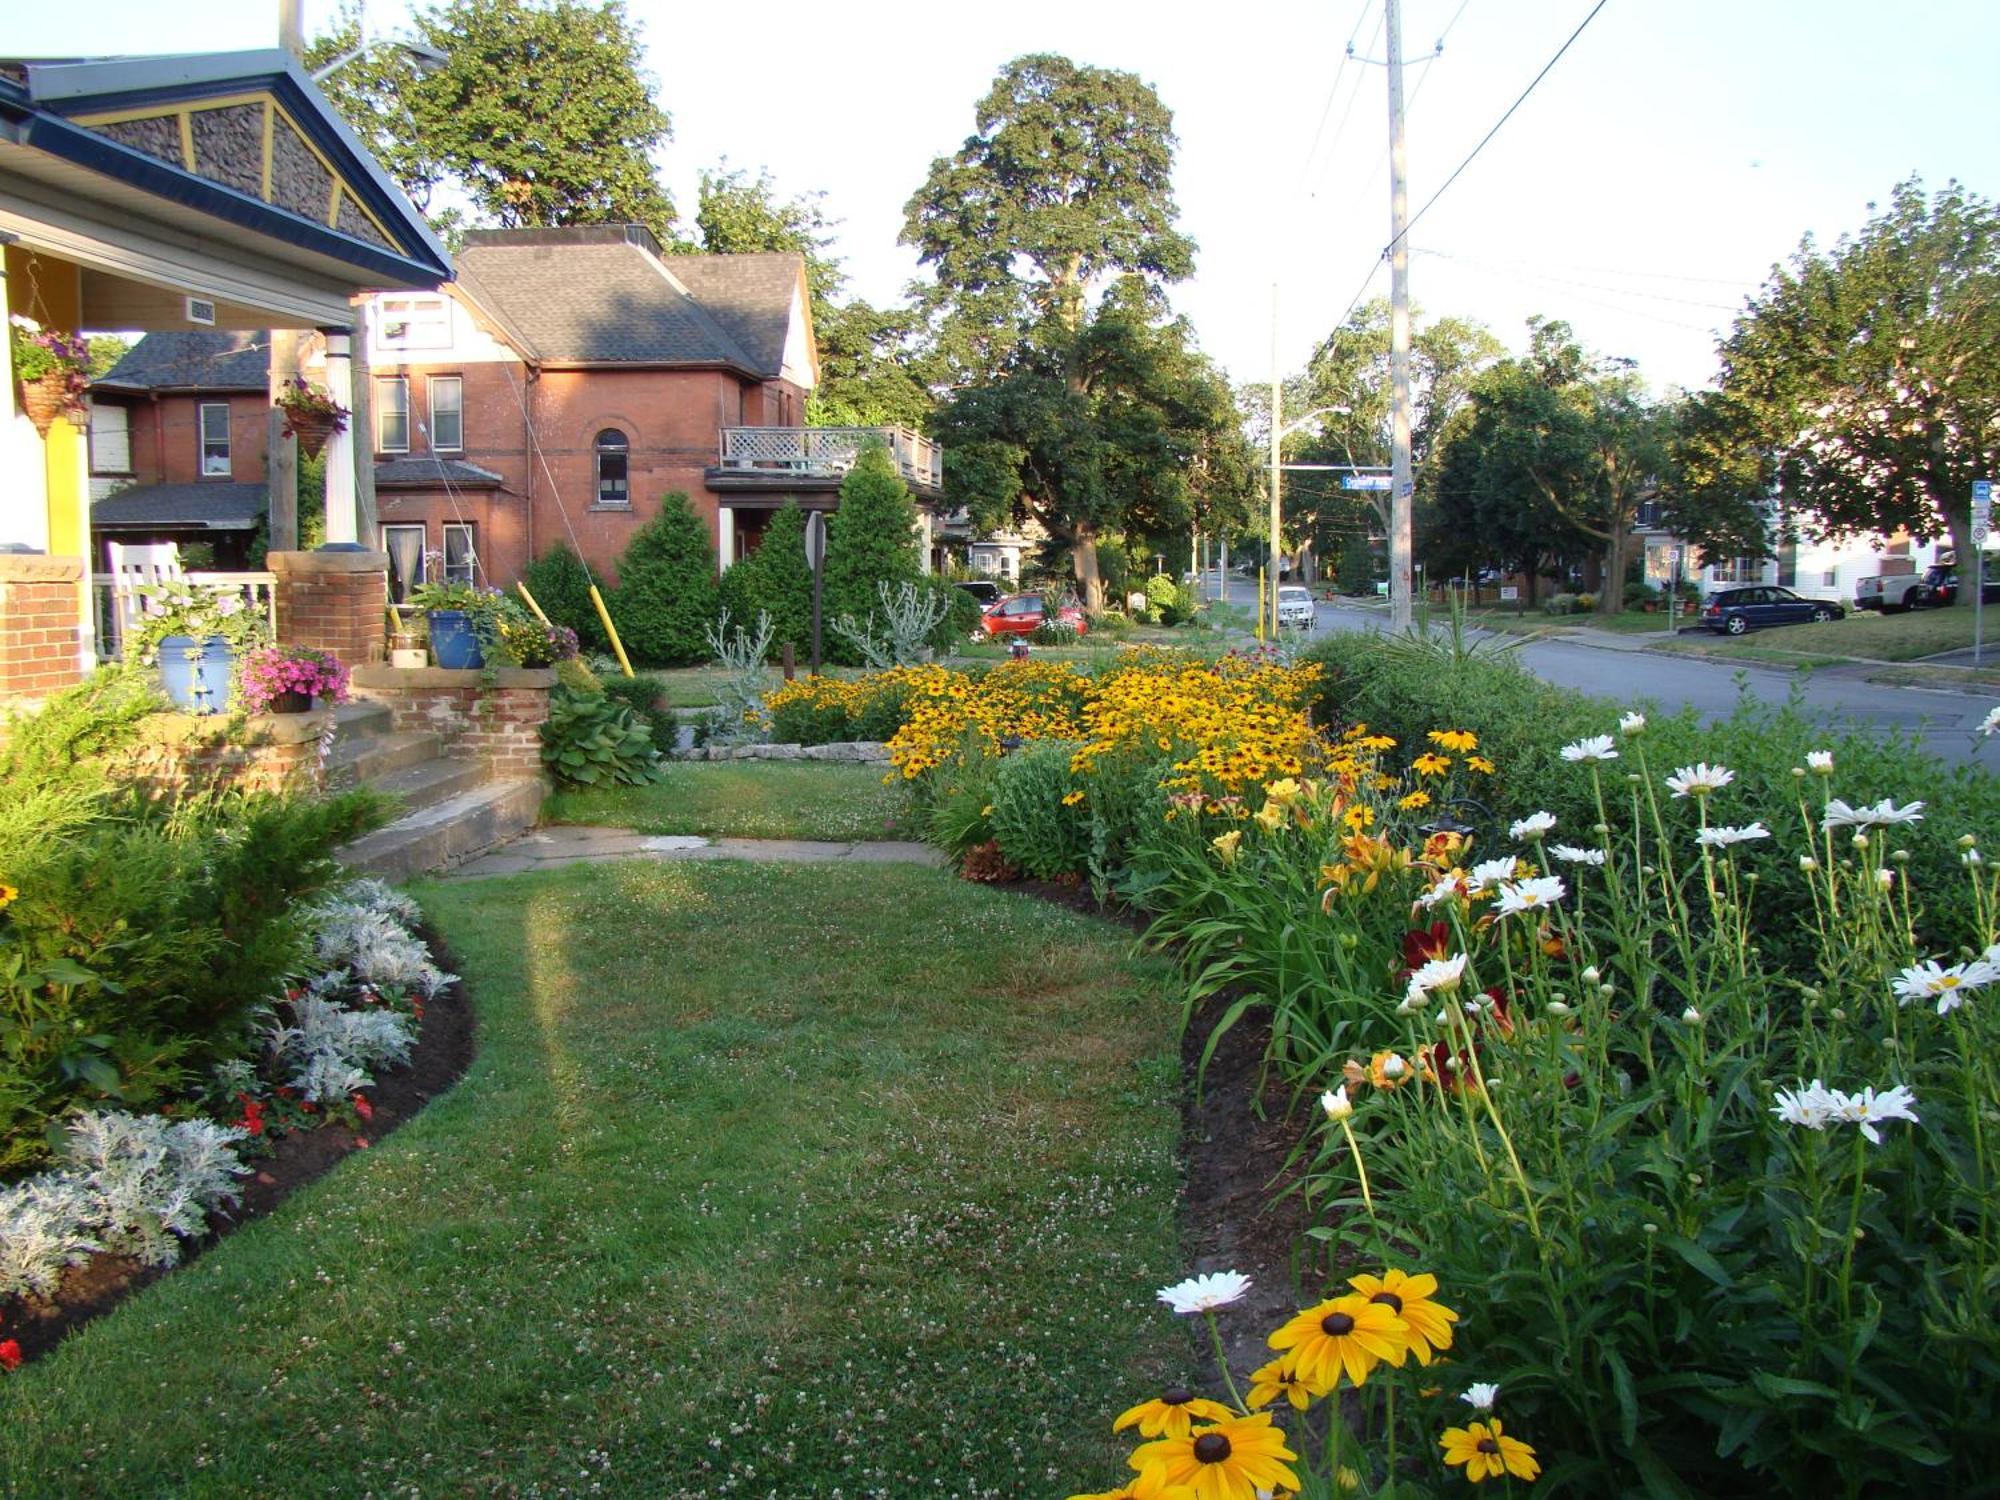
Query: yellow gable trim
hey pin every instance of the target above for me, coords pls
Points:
(273, 113)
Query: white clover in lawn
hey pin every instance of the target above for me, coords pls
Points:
(1200, 1294)
(1570, 854)
(1699, 779)
(1482, 1395)
(1530, 895)
(1722, 838)
(1597, 747)
(1532, 827)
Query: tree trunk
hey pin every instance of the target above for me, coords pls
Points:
(1611, 594)
(1083, 560)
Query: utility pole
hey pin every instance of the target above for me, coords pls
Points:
(1277, 468)
(1401, 488)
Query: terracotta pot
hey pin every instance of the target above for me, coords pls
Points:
(311, 428)
(48, 398)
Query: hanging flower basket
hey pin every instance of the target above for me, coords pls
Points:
(311, 415)
(48, 398)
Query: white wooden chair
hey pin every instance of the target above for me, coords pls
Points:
(132, 568)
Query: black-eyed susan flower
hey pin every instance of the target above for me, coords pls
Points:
(1148, 1486)
(1409, 1297)
(1172, 1413)
(1480, 764)
(7, 895)
(1070, 799)
(1227, 1461)
(1455, 739)
(1487, 1452)
(1278, 1379)
(1344, 1334)
(1431, 765)
(1415, 800)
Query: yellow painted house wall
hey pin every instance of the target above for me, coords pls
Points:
(50, 291)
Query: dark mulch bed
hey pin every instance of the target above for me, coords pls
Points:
(442, 1054)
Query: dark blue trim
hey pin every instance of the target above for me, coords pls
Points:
(75, 143)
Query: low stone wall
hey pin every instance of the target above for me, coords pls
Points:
(496, 715)
(873, 752)
(178, 753)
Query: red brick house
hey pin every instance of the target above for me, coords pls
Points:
(555, 391)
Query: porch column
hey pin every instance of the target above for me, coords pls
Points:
(343, 523)
(24, 496)
(725, 536)
(924, 536)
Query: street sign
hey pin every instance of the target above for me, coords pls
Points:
(815, 538)
(1982, 510)
(1364, 482)
(1509, 594)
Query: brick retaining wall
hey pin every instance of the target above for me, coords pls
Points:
(38, 624)
(496, 715)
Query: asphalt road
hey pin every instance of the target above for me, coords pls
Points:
(1627, 674)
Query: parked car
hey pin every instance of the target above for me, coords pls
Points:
(1940, 587)
(987, 594)
(1024, 614)
(1295, 607)
(1733, 611)
(1892, 593)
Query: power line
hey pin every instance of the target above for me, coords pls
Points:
(1503, 269)
(1438, 51)
(1533, 84)
(1354, 94)
(1333, 89)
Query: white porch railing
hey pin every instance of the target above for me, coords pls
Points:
(119, 602)
(830, 451)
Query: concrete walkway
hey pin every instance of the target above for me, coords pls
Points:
(562, 845)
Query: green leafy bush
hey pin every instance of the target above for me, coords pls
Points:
(776, 581)
(961, 618)
(1041, 833)
(592, 739)
(666, 597)
(641, 694)
(1169, 602)
(1560, 604)
(561, 583)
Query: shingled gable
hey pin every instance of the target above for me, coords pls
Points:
(602, 295)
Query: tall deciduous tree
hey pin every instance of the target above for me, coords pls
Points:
(1065, 185)
(1872, 370)
(540, 114)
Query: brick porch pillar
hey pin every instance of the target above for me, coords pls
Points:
(336, 601)
(39, 610)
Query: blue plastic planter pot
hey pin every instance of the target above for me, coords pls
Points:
(197, 678)
(454, 643)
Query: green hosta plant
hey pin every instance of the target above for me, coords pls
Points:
(591, 739)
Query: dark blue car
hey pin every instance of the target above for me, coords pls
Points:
(1733, 611)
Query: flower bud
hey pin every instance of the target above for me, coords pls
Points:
(1650, 1228)
(1591, 975)
(1799, 772)
(1901, 856)
(1600, 829)
(1604, 992)
(1966, 841)
(1886, 879)
(1558, 1008)
(1691, 1016)
(1861, 841)
(1808, 863)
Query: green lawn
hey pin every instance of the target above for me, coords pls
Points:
(1868, 636)
(766, 1181)
(752, 799)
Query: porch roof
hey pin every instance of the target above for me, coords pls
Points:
(208, 506)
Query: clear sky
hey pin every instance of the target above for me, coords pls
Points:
(1676, 152)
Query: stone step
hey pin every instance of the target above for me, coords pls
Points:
(429, 782)
(371, 757)
(446, 833)
(359, 720)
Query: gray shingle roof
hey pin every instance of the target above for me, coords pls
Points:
(402, 473)
(595, 297)
(216, 506)
(208, 359)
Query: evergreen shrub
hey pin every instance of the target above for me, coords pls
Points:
(666, 597)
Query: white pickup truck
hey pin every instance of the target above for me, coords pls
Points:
(1892, 593)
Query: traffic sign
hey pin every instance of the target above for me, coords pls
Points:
(815, 538)
(1982, 510)
(1364, 482)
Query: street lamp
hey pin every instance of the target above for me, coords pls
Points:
(422, 56)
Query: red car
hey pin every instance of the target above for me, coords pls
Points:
(1024, 614)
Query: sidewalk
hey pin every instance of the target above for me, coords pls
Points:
(563, 845)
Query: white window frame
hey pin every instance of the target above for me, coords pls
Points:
(423, 545)
(201, 439)
(597, 455)
(461, 572)
(416, 322)
(383, 413)
(432, 385)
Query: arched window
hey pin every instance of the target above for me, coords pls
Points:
(613, 464)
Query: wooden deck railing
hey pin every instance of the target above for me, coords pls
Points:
(830, 451)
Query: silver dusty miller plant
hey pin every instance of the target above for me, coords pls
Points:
(909, 615)
(740, 700)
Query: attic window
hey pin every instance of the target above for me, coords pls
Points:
(414, 323)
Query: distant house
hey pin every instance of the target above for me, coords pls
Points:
(1817, 569)
(556, 390)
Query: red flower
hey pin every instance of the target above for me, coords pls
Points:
(1449, 1070)
(253, 1114)
(10, 1354)
(363, 1108)
(1423, 944)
